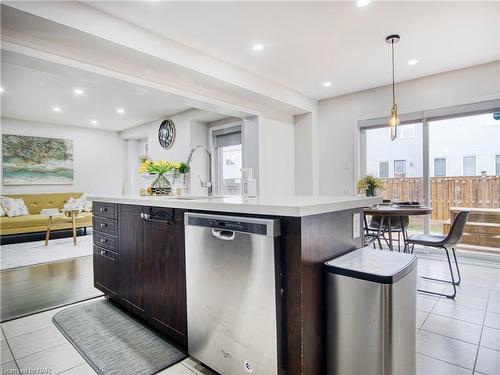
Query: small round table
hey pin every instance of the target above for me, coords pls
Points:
(49, 212)
(73, 214)
(388, 211)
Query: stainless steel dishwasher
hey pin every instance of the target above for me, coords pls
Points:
(234, 293)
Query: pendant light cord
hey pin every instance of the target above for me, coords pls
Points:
(393, 88)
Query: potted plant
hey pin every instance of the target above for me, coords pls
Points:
(368, 185)
(161, 185)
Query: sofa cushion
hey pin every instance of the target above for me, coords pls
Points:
(37, 202)
(41, 220)
(14, 207)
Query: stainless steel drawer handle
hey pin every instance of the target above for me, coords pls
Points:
(103, 225)
(221, 234)
(103, 240)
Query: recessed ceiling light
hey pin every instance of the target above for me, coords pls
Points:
(327, 84)
(412, 62)
(94, 122)
(56, 109)
(258, 47)
(2, 89)
(120, 110)
(78, 91)
(362, 3)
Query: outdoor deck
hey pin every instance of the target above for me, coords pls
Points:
(479, 194)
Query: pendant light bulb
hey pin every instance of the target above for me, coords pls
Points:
(394, 122)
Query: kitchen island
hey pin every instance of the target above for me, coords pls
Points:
(140, 262)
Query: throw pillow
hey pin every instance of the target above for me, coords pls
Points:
(14, 207)
(2, 212)
(86, 204)
(72, 204)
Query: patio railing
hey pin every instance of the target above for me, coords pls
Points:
(446, 192)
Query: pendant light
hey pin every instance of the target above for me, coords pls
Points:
(394, 119)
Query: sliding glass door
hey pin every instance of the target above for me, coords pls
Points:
(463, 157)
(446, 158)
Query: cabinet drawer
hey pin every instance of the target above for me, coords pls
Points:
(106, 240)
(105, 253)
(104, 209)
(106, 225)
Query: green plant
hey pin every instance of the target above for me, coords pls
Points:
(368, 184)
(183, 168)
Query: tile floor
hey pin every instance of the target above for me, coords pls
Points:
(454, 337)
(460, 336)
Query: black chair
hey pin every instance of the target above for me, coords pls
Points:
(378, 226)
(443, 242)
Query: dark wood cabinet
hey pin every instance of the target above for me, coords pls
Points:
(164, 243)
(134, 261)
(105, 248)
(105, 271)
(139, 262)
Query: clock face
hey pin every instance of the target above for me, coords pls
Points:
(166, 134)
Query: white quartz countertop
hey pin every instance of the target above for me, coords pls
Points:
(297, 206)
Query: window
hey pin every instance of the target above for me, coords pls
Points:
(383, 169)
(440, 167)
(406, 131)
(497, 165)
(399, 168)
(228, 158)
(469, 166)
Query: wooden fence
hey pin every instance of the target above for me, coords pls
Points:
(446, 192)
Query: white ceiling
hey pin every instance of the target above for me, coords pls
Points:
(308, 43)
(33, 86)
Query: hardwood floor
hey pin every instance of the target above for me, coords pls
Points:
(37, 288)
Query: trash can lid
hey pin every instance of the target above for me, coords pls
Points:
(383, 267)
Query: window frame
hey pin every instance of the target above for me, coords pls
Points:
(394, 167)
(475, 165)
(388, 169)
(497, 172)
(445, 166)
(217, 159)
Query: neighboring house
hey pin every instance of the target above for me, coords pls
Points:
(463, 146)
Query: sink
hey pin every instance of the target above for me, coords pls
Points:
(185, 197)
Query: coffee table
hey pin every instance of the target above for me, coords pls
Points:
(49, 212)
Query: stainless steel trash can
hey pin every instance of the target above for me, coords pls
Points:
(371, 313)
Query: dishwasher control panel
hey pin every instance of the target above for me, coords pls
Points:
(249, 225)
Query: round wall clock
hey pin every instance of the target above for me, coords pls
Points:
(166, 134)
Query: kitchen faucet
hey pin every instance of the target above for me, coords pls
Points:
(207, 184)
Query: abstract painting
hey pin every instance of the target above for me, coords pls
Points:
(36, 160)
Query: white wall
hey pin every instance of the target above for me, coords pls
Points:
(338, 117)
(189, 132)
(276, 157)
(99, 158)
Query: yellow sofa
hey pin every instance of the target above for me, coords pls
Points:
(35, 222)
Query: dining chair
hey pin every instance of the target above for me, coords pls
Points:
(377, 227)
(445, 242)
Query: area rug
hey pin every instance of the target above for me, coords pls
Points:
(112, 342)
(31, 253)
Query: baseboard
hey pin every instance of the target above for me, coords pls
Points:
(40, 236)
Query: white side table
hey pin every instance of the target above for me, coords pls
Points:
(49, 212)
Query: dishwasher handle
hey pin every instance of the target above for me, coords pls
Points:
(222, 234)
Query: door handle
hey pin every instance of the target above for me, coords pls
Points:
(221, 234)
